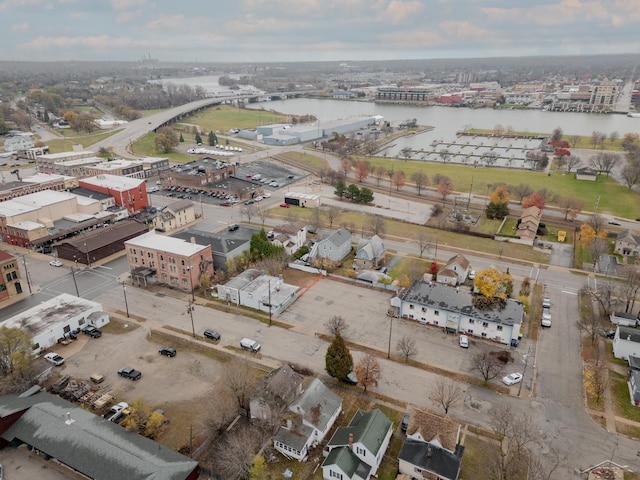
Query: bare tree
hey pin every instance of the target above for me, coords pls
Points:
(248, 211)
(445, 188)
(596, 222)
(407, 346)
(262, 214)
(574, 140)
(590, 322)
(543, 468)
(315, 222)
(604, 162)
(422, 239)
(572, 161)
(613, 136)
(368, 371)
(447, 393)
(488, 365)
(631, 174)
(522, 190)
(337, 325)
(598, 247)
(234, 455)
(570, 206)
(332, 214)
(376, 223)
(220, 408)
(240, 380)
(510, 455)
(421, 180)
(595, 374)
(630, 286)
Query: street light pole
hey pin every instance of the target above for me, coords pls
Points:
(390, 328)
(193, 295)
(269, 302)
(126, 305)
(524, 370)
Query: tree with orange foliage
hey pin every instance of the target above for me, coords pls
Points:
(362, 171)
(445, 188)
(533, 200)
(500, 195)
(398, 179)
(368, 371)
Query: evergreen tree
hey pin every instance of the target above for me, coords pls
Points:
(213, 140)
(338, 362)
(366, 195)
(353, 192)
(341, 189)
(497, 210)
(181, 138)
(198, 138)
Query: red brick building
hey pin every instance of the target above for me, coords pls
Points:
(129, 193)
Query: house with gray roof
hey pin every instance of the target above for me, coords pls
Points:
(452, 308)
(85, 442)
(175, 215)
(355, 452)
(432, 447)
(628, 243)
(370, 253)
(626, 342)
(275, 392)
(310, 418)
(334, 247)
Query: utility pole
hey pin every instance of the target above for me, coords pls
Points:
(190, 308)
(524, 371)
(470, 190)
(73, 274)
(390, 328)
(126, 305)
(26, 273)
(269, 302)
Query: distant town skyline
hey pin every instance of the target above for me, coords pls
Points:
(313, 30)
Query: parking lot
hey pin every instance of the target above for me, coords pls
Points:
(159, 384)
(365, 312)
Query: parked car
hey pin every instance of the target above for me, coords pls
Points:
(472, 275)
(405, 422)
(130, 373)
(92, 331)
(212, 334)
(464, 341)
(546, 317)
(284, 205)
(546, 303)
(512, 379)
(614, 223)
(266, 195)
(115, 410)
(54, 358)
(351, 379)
(55, 263)
(167, 351)
(250, 201)
(233, 227)
(225, 204)
(609, 333)
(250, 345)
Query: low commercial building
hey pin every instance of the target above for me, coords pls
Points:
(53, 320)
(225, 245)
(168, 260)
(101, 242)
(118, 167)
(175, 215)
(85, 442)
(129, 193)
(200, 174)
(58, 162)
(300, 199)
(256, 290)
(36, 183)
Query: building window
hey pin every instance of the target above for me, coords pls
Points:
(8, 277)
(485, 324)
(411, 307)
(469, 331)
(182, 262)
(472, 321)
(499, 327)
(66, 329)
(333, 474)
(436, 313)
(162, 258)
(424, 309)
(484, 334)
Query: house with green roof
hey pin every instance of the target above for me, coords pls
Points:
(355, 452)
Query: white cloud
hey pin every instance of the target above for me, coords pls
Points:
(397, 11)
(65, 42)
(20, 27)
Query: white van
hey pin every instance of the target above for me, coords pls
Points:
(248, 344)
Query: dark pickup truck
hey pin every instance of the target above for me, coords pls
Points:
(130, 373)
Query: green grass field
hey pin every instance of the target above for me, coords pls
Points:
(72, 138)
(224, 117)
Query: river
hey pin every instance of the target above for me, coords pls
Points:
(448, 120)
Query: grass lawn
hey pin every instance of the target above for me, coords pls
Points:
(72, 138)
(614, 197)
(355, 222)
(621, 402)
(222, 118)
(314, 161)
(146, 146)
(473, 459)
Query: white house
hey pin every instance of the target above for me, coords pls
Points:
(453, 309)
(18, 141)
(56, 318)
(624, 319)
(314, 413)
(334, 247)
(626, 342)
(370, 252)
(628, 243)
(459, 265)
(355, 452)
(175, 215)
(291, 237)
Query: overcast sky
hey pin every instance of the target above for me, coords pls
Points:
(299, 30)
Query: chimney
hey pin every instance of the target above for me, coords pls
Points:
(429, 452)
(69, 420)
(351, 441)
(193, 240)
